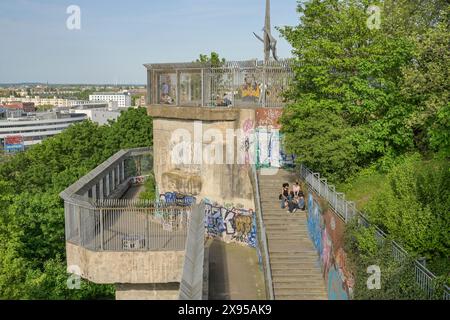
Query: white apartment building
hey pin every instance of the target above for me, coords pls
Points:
(121, 100)
(38, 101)
(35, 129)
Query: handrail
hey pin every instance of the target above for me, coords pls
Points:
(263, 237)
(321, 187)
(85, 182)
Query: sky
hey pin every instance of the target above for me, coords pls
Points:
(117, 37)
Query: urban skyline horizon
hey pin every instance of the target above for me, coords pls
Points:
(90, 42)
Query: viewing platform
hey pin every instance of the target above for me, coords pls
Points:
(238, 84)
(138, 245)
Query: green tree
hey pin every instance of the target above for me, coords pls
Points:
(356, 77)
(32, 244)
(213, 58)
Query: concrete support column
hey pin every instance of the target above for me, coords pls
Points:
(113, 179)
(122, 171)
(94, 192)
(101, 195)
(108, 191)
(118, 174)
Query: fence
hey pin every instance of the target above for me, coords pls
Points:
(127, 225)
(232, 84)
(96, 220)
(346, 210)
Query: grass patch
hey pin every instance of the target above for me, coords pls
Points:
(363, 187)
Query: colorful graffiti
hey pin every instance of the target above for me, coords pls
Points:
(268, 117)
(333, 260)
(247, 143)
(177, 198)
(231, 224)
(270, 149)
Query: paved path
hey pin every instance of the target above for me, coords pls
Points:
(293, 259)
(234, 273)
(133, 192)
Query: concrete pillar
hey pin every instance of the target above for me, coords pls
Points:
(108, 191)
(122, 171)
(94, 192)
(101, 195)
(113, 179)
(117, 169)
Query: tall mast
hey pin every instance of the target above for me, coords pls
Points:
(267, 29)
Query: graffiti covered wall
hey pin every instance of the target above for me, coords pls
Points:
(231, 224)
(177, 198)
(270, 148)
(326, 232)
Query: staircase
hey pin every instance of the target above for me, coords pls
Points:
(294, 262)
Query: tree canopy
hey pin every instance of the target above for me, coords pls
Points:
(360, 93)
(32, 243)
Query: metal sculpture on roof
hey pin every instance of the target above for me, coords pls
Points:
(270, 44)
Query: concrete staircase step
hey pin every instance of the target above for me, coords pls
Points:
(315, 285)
(298, 278)
(293, 259)
(304, 273)
(299, 255)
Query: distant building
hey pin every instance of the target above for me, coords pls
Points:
(123, 100)
(26, 107)
(38, 101)
(32, 130)
(98, 112)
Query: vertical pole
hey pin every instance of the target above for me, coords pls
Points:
(147, 224)
(122, 171)
(107, 185)
(203, 87)
(101, 195)
(149, 87)
(113, 179)
(78, 209)
(177, 98)
(94, 192)
(101, 229)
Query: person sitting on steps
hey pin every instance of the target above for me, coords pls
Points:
(284, 197)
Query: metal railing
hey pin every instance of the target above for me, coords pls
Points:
(96, 220)
(123, 225)
(262, 236)
(346, 210)
(243, 84)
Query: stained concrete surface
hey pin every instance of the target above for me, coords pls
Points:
(234, 273)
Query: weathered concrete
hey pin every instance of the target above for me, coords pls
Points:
(193, 113)
(108, 267)
(154, 291)
(221, 180)
(234, 273)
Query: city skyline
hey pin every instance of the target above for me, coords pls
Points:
(114, 41)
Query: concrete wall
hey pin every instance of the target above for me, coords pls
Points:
(126, 267)
(326, 230)
(162, 291)
(225, 182)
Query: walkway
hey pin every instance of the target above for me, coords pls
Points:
(234, 273)
(293, 259)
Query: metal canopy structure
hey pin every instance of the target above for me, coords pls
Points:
(248, 83)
